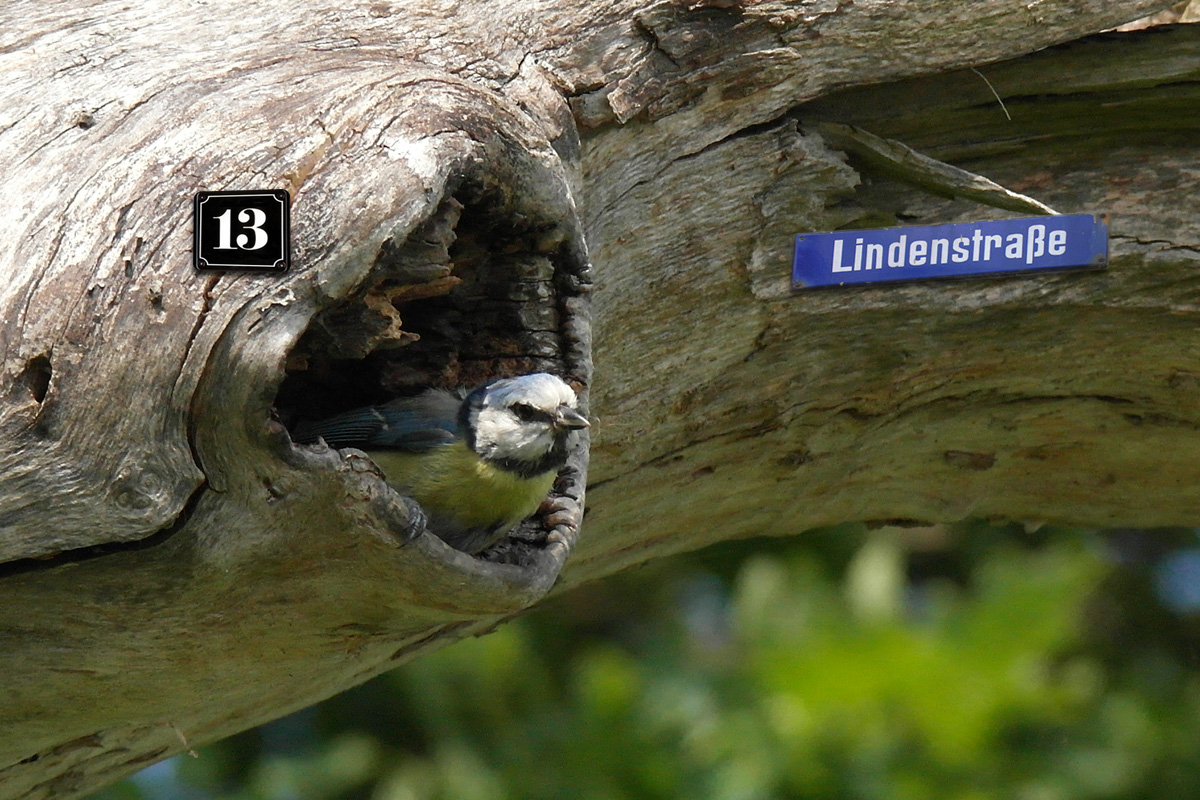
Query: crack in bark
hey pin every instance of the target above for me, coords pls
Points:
(1170, 245)
(777, 123)
(982, 397)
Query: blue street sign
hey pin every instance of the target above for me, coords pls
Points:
(1076, 241)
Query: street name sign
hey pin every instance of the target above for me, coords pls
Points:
(1068, 241)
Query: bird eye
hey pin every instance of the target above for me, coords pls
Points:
(525, 412)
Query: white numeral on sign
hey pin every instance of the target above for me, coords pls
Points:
(225, 232)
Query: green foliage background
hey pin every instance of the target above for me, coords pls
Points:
(968, 662)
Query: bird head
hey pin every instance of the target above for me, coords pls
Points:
(523, 423)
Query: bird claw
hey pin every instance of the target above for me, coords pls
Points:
(416, 520)
(558, 511)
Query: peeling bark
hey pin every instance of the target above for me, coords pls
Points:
(177, 570)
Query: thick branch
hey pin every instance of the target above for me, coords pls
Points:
(1066, 397)
(216, 576)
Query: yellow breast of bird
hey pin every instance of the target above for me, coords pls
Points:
(454, 482)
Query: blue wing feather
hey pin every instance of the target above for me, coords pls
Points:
(413, 424)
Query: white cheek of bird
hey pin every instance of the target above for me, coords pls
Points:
(503, 435)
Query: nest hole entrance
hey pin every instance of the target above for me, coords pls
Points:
(474, 293)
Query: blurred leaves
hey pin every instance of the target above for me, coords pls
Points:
(969, 662)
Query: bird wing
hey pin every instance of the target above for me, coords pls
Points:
(414, 424)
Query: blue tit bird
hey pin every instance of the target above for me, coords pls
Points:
(477, 465)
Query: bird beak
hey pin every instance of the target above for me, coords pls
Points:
(567, 418)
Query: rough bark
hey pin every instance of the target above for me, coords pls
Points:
(215, 577)
(1066, 398)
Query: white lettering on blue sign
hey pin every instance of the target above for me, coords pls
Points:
(1076, 241)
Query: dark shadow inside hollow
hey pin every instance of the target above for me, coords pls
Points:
(470, 295)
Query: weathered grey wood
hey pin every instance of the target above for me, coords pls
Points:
(1066, 397)
(217, 577)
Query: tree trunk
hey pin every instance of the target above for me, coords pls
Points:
(177, 570)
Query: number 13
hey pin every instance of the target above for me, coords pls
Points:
(225, 234)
